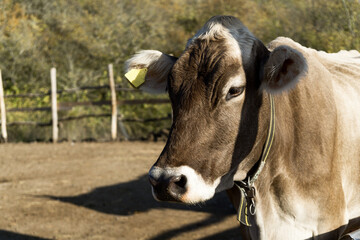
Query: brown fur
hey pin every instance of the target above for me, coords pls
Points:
(309, 187)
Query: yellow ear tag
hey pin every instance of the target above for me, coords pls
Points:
(136, 76)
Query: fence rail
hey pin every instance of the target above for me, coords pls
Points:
(64, 119)
(70, 90)
(65, 106)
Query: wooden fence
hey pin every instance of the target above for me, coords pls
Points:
(56, 106)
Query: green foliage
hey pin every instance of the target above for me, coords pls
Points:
(81, 37)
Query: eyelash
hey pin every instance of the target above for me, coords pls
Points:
(234, 92)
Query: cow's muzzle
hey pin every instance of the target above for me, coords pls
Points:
(167, 185)
(181, 184)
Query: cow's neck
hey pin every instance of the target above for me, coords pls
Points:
(247, 188)
(305, 133)
(300, 160)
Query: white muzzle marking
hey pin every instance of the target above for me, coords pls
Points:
(197, 189)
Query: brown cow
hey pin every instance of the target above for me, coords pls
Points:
(221, 89)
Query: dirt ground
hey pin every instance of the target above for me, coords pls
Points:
(97, 191)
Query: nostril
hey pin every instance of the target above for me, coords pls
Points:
(180, 181)
(177, 186)
(153, 181)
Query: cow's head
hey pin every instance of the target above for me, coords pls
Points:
(218, 88)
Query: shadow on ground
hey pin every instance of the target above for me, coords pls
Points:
(7, 235)
(135, 196)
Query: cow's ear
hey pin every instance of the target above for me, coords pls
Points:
(283, 69)
(156, 65)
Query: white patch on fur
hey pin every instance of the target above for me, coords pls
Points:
(197, 189)
(142, 59)
(210, 29)
(245, 39)
(159, 66)
(234, 49)
(235, 32)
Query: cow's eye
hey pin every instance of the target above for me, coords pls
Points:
(234, 92)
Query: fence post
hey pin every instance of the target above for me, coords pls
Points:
(121, 125)
(55, 130)
(3, 111)
(113, 104)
